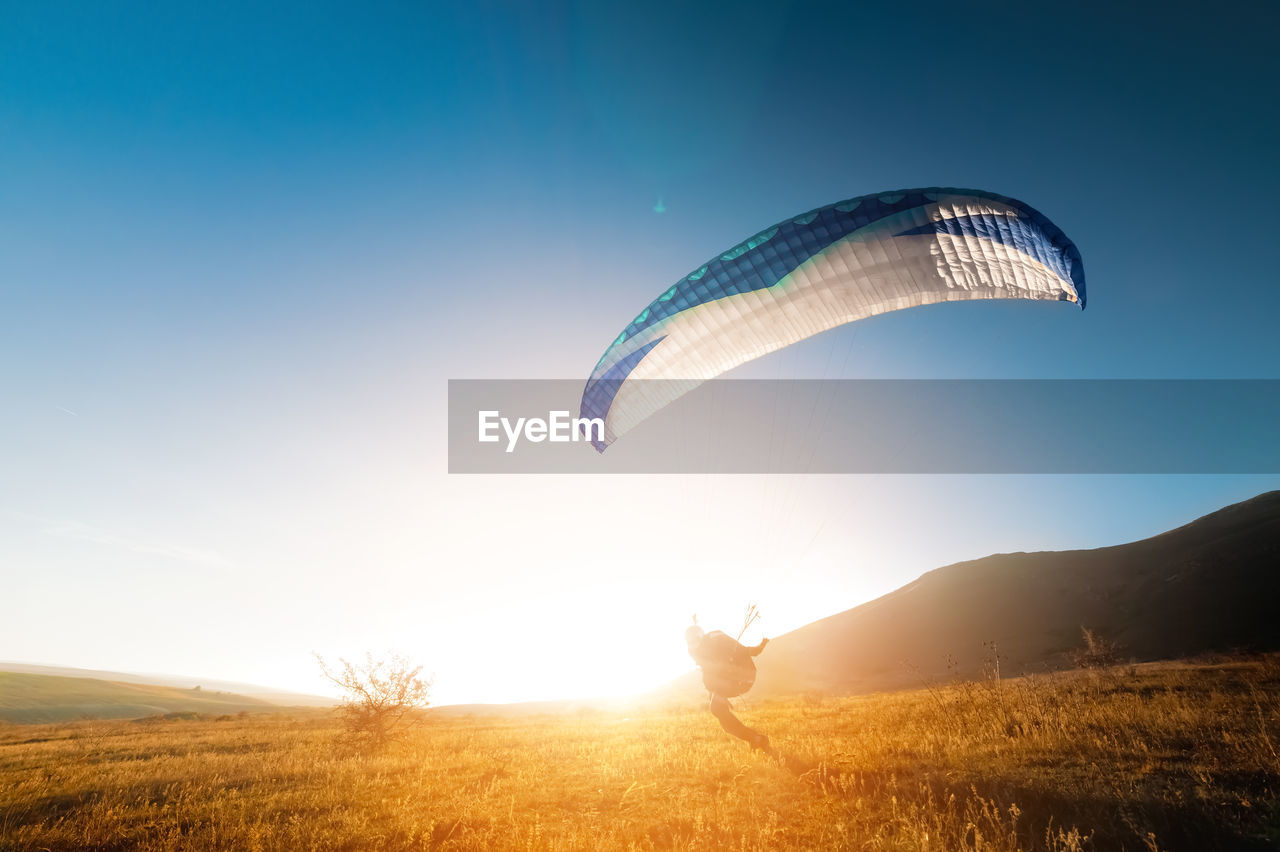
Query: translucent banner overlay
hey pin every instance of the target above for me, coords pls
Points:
(881, 426)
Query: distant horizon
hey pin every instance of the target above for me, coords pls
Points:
(220, 684)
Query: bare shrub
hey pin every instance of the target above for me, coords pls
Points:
(381, 697)
(1097, 653)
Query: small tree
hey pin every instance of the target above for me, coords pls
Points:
(380, 697)
(1097, 653)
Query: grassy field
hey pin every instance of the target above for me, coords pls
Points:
(1176, 756)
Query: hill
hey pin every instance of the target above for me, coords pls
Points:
(27, 698)
(265, 693)
(1211, 585)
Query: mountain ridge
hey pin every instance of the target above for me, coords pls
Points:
(1207, 585)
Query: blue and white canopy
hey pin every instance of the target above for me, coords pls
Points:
(830, 266)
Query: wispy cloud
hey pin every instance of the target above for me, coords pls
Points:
(127, 541)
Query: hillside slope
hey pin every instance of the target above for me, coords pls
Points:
(252, 690)
(1211, 585)
(27, 698)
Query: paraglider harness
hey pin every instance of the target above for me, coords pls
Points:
(727, 667)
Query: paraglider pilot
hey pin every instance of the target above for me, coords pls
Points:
(727, 671)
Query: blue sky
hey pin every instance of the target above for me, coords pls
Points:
(243, 247)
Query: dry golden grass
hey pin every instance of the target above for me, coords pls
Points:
(1169, 757)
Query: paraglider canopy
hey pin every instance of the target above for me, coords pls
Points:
(830, 266)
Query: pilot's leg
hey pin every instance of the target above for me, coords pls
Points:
(732, 724)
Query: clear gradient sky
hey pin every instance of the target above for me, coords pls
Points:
(244, 246)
